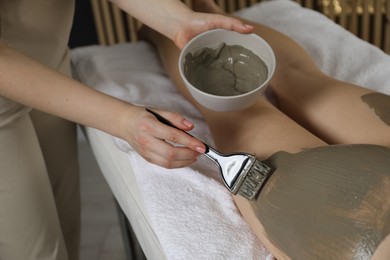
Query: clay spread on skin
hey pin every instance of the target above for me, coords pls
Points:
(228, 70)
(327, 203)
(380, 103)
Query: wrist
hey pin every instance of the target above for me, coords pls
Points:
(128, 116)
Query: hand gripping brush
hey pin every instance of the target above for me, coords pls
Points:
(242, 173)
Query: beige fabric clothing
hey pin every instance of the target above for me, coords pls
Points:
(39, 29)
(29, 225)
(39, 202)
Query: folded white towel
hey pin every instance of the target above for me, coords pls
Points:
(191, 212)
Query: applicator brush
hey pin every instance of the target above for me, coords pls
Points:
(242, 173)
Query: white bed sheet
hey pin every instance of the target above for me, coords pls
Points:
(187, 213)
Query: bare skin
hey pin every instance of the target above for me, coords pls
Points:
(318, 105)
(52, 92)
(178, 22)
(27, 82)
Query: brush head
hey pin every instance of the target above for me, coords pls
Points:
(252, 179)
(242, 173)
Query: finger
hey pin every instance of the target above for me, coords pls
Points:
(179, 137)
(201, 22)
(169, 156)
(228, 23)
(170, 163)
(173, 152)
(177, 120)
(161, 161)
(176, 136)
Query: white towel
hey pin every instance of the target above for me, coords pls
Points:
(191, 212)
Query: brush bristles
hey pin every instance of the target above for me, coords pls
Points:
(254, 180)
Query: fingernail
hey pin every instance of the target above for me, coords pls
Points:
(248, 26)
(187, 123)
(200, 149)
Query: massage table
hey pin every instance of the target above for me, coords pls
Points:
(187, 213)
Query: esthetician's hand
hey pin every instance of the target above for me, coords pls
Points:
(195, 23)
(154, 140)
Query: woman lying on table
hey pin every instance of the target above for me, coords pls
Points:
(328, 142)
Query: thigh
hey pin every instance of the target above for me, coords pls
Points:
(29, 226)
(58, 141)
(335, 111)
(260, 130)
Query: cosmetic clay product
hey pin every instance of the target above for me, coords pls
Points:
(327, 203)
(228, 70)
(380, 103)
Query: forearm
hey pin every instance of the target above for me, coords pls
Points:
(32, 84)
(176, 21)
(165, 16)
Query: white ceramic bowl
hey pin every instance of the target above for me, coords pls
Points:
(214, 38)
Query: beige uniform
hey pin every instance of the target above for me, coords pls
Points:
(39, 202)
